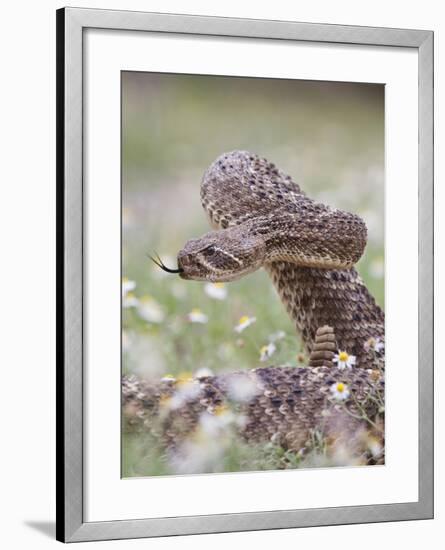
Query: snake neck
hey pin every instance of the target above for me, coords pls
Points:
(308, 248)
(338, 298)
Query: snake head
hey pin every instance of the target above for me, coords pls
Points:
(221, 256)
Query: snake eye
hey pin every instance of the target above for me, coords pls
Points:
(210, 250)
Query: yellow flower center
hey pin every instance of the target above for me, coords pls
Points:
(343, 356)
(264, 349)
(340, 387)
(220, 410)
(243, 320)
(184, 378)
(196, 311)
(218, 285)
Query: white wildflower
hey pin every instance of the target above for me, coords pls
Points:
(187, 390)
(209, 424)
(150, 310)
(168, 378)
(242, 388)
(128, 298)
(244, 322)
(344, 360)
(203, 372)
(197, 316)
(267, 351)
(218, 420)
(340, 391)
(127, 286)
(198, 454)
(217, 291)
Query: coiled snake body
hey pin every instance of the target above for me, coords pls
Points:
(261, 218)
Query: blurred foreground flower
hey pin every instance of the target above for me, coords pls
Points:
(217, 291)
(213, 423)
(197, 316)
(186, 390)
(244, 322)
(168, 378)
(267, 351)
(242, 388)
(343, 360)
(340, 391)
(128, 298)
(203, 372)
(150, 310)
(374, 344)
(206, 448)
(199, 454)
(127, 285)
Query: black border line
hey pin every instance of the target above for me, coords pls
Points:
(60, 275)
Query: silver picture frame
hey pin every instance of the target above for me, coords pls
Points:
(71, 24)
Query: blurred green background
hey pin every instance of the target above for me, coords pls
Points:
(328, 136)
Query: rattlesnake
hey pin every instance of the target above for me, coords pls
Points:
(261, 218)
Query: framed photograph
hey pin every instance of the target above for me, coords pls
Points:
(245, 293)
